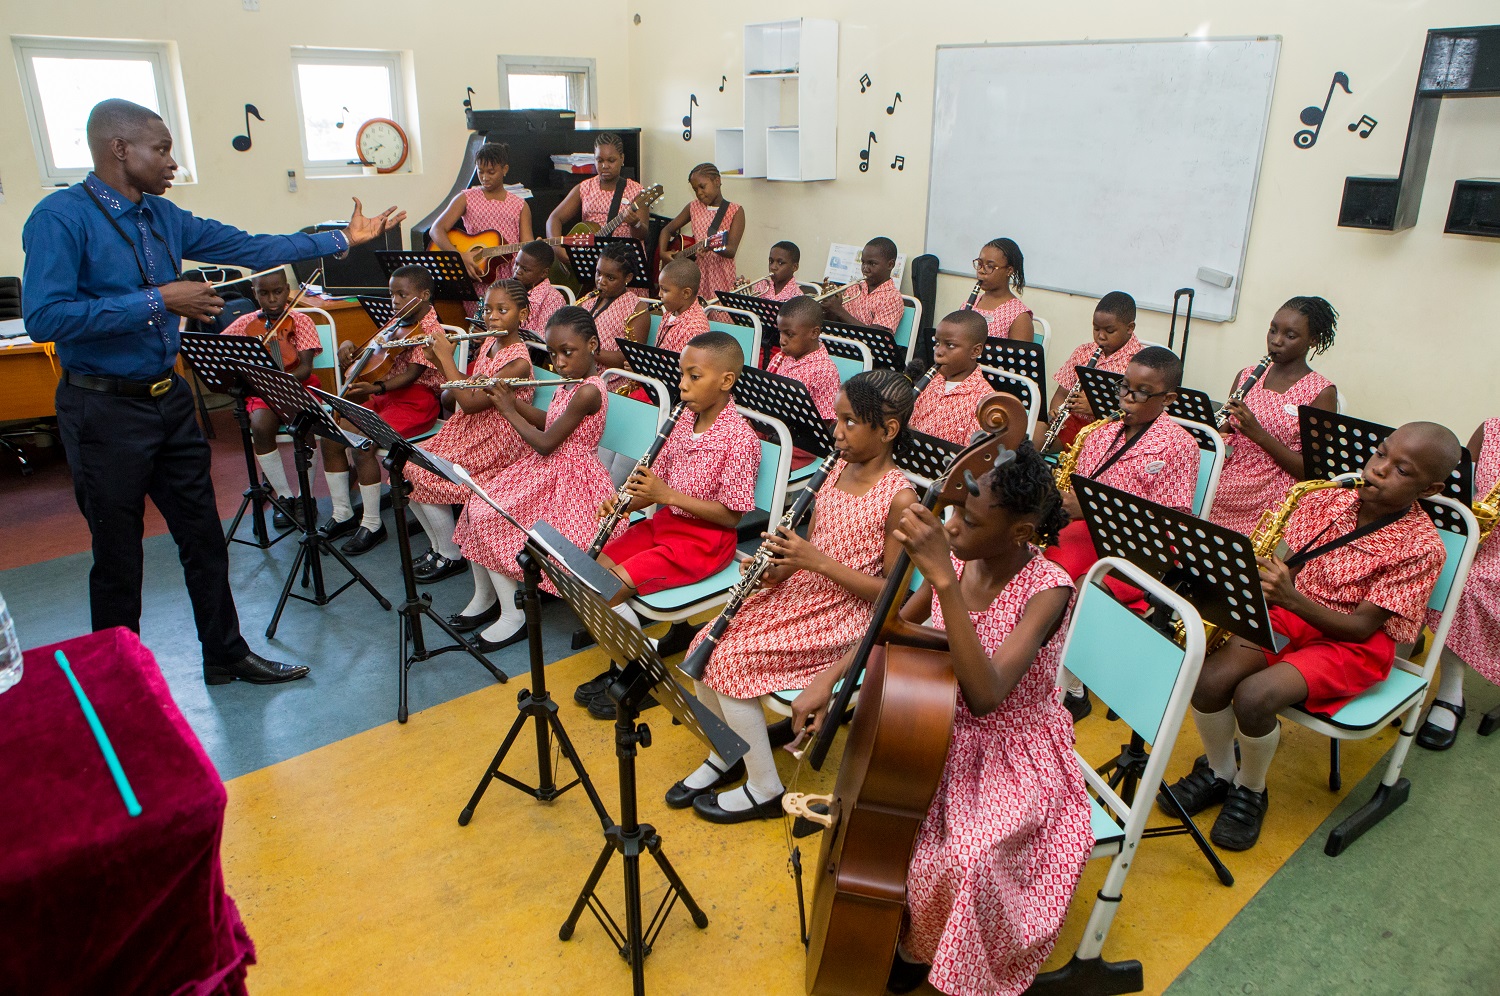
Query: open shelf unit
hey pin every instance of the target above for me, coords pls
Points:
(791, 104)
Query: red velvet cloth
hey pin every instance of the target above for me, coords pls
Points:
(92, 900)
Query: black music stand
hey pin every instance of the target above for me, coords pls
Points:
(788, 400)
(450, 281)
(400, 452)
(216, 360)
(380, 309)
(765, 310)
(1214, 568)
(643, 675)
(883, 348)
(924, 456)
(585, 258)
(844, 349)
(653, 361)
(1024, 359)
(302, 414)
(1099, 386)
(1193, 405)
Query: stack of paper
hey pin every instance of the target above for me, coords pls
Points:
(577, 162)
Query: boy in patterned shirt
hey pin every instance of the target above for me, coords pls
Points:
(1361, 568)
(533, 263)
(1114, 340)
(682, 316)
(946, 406)
(876, 300)
(803, 356)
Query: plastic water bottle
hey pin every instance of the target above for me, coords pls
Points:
(10, 649)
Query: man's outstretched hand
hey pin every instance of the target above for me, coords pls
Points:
(361, 229)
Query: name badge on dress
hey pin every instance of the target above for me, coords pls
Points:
(1289, 409)
(1155, 466)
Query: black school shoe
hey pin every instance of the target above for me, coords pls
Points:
(1239, 822)
(1434, 737)
(468, 624)
(679, 796)
(1196, 791)
(707, 806)
(281, 520)
(597, 685)
(440, 568)
(253, 668)
(905, 975)
(1078, 706)
(677, 639)
(601, 706)
(364, 540)
(334, 528)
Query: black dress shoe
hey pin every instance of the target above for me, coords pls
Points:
(439, 569)
(468, 624)
(280, 519)
(679, 796)
(1197, 790)
(677, 639)
(1433, 736)
(334, 528)
(1239, 822)
(363, 540)
(906, 976)
(1078, 706)
(253, 668)
(707, 806)
(601, 706)
(490, 646)
(597, 685)
(419, 564)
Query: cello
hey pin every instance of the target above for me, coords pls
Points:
(893, 761)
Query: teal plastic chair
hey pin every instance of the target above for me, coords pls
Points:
(911, 320)
(748, 336)
(1210, 463)
(1400, 695)
(848, 366)
(1148, 681)
(675, 604)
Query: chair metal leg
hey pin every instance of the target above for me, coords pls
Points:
(1335, 767)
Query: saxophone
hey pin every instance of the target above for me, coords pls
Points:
(1264, 540)
(1487, 512)
(1063, 475)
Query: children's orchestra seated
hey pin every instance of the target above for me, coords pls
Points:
(947, 405)
(1263, 441)
(1361, 568)
(781, 283)
(532, 265)
(682, 315)
(295, 345)
(1000, 276)
(803, 356)
(406, 397)
(1115, 342)
(816, 599)
(874, 301)
(718, 226)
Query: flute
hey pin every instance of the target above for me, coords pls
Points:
(514, 383)
(622, 500)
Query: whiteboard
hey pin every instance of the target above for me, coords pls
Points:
(1118, 165)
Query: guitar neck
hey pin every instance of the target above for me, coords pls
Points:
(517, 247)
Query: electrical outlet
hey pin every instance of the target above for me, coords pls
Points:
(251, 5)
(291, 178)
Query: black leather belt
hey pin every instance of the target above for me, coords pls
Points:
(153, 388)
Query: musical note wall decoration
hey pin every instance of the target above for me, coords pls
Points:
(723, 82)
(865, 83)
(1313, 115)
(340, 122)
(1369, 125)
(864, 154)
(899, 163)
(892, 108)
(241, 143)
(687, 119)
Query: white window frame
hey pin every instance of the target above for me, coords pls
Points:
(168, 88)
(392, 61)
(587, 102)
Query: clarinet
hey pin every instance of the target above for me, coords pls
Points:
(973, 296)
(1061, 418)
(1221, 418)
(696, 661)
(622, 500)
(921, 382)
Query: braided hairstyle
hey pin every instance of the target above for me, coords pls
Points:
(513, 289)
(1322, 320)
(707, 169)
(578, 320)
(493, 154)
(609, 140)
(877, 395)
(1013, 259)
(620, 253)
(1025, 486)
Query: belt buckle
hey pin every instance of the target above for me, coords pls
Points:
(161, 387)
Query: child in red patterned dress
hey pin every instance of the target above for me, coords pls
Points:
(559, 478)
(1474, 638)
(296, 343)
(716, 222)
(876, 300)
(816, 599)
(611, 302)
(407, 398)
(488, 207)
(781, 283)
(1114, 339)
(682, 316)
(803, 356)
(474, 436)
(1000, 853)
(946, 406)
(1264, 438)
(1000, 271)
(532, 265)
(1362, 568)
(592, 199)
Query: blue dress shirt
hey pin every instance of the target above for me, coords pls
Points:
(94, 293)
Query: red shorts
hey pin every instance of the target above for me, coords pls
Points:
(1074, 552)
(670, 550)
(409, 410)
(1335, 670)
(254, 404)
(1069, 431)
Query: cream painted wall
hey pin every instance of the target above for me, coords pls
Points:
(230, 57)
(1418, 306)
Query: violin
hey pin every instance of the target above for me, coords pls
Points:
(893, 760)
(374, 361)
(272, 323)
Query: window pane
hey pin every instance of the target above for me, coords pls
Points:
(539, 90)
(69, 88)
(335, 93)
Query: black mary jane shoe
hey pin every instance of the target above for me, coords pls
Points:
(334, 528)
(288, 519)
(364, 540)
(707, 806)
(440, 569)
(679, 796)
(601, 706)
(597, 685)
(468, 624)
(424, 562)
(1434, 737)
(484, 646)
(906, 975)
(255, 669)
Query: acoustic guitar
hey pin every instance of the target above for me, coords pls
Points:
(486, 249)
(562, 274)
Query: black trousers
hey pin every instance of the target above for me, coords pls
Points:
(121, 450)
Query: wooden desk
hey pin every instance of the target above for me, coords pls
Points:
(28, 381)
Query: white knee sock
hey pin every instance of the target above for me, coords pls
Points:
(708, 772)
(1071, 684)
(1217, 731)
(748, 719)
(338, 491)
(275, 471)
(370, 495)
(1255, 759)
(437, 523)
(511, 618)
(1450, 689)
(625, 612)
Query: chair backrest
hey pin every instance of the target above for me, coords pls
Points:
(775, 464)
(1043, 330)
(748, 336)
(328, 339)
(460, 349)
(906, 328)
(1210, 463)
(849, 356)
(1023, 387)
(567, 293)
(630, 425)
(10, 298)
(808, 288)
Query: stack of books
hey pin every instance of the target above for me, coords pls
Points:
(577, 162)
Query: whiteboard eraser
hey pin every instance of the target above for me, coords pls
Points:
(1218, 278)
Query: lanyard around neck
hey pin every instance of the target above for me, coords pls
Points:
(134, 253)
